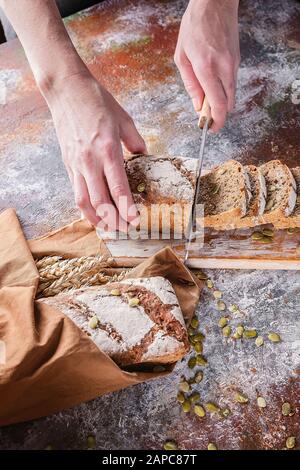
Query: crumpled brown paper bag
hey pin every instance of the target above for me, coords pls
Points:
(48, 363)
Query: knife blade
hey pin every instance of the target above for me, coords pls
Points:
(204, 123)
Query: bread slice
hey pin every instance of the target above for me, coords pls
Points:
(294, 219)
(225, 193)
(281, 192)
(164, 181)
(258, 201)
(152, 331)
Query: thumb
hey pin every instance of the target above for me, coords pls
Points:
(130, 136)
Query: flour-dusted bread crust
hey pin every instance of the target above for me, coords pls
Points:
(151, 332)
(294, 219)
(258, 201)
(165, 181)
(225, 193)
(281, 192)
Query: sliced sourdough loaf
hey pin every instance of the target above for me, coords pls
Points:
(165, 181)
(226, 195)
(134, 321)
(281, 192)
(258, 201)
(294, 219)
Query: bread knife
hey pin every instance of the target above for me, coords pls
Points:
(204, 123)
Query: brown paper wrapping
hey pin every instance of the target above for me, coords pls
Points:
(50, 363)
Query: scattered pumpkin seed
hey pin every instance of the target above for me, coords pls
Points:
(186, 406)
(257, 235)
(184, 386)
(233, 308)
(298, 248)
(209, 283)
(180, 397)
(198, 347)
(192, 362)
(195, 397)
(212, 446)
(198, 377)
(266, 239)
(222, 322)
(259, 341)
(201, 361)
(236, 335)
(274, 337)
(240, 330)
(158, 368)
(212, 407)
(291, 230)
(215, 189)
(133, 302)
(241, 398)
(226, 331)
(199, 411)
(286, 408)
(199, 336)
(225, 412)
(217, 294)
(261, 402)
(170, 445)
(290, 442)
(221, 305)
(194, 322)
(268, 232)
(115, 292)
(141, 187)
(201, 275)
(191, 331)
(93, 322)
(91, 442)
(192, 341)
(249, 334)
(269, 205)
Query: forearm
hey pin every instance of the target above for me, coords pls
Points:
(49, 50)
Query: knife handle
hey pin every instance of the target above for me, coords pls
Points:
(205, 114)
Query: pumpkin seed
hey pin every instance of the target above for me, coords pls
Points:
(91, 442)
(212, 407)
(221, 305)
(194, 322)
(222, 322)
(158, 368)
(199, 336)
(209, 283)
(191, 331)
(240, 330)
(180, 397)
(170, 445)
(241, 398)
(269, 205)
(272, 188)
(290, 442)
(215, 189)
(265, 239)
(141, 187)
(291, 230)
(236, 335)
(261, 402)
(195, 397)
(298, 248)
(268, 232)
(198, 347)
(201, 275)
(259, 341)
(192, 341)
(133, 302)
(186, 406)
(226, 331)
(212, 446)
(233, 308)
(249, 334)
(225, 412)
(286, 408)
(201, 361)
(115, 292)
(199, 411)
(184, 386)
(198, 377)
(217, 294)
(93, 322)
(257, 235)
(274, 337)
(192, 362)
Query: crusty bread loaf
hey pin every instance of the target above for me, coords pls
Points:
(135, 320)
(258, 201)
(165, 181)
(281, 192)
(225, 193)
(294, 219)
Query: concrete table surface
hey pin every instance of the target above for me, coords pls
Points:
(129, 46)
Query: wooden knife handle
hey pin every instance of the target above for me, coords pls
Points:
(205, 114)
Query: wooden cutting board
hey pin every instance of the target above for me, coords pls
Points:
(233, 249)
